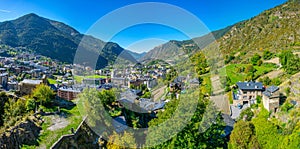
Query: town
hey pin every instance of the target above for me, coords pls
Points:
(169, 75)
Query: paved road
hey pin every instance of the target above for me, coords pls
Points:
(236, 111)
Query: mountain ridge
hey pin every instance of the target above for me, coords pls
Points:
(57, 40)
(175, 47)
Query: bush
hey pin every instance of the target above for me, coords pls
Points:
(247, 112)
(254, 60)
(276, 81)
(258, 99)
(30, 104)
(286, 106)
(267, 55)
(287, 91)
(229, 58)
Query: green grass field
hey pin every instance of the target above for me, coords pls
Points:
(51, 81)
(95, 76)
(232, 73)
(79, 79)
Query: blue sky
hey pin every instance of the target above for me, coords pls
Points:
(81, 15)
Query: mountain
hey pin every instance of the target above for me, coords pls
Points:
(174, 48)
(275, 29)
(58, 41)
(136, 55)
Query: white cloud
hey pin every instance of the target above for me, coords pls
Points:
(4, 11)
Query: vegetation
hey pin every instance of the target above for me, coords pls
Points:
(267, 55)
(264, 132)
(243, 72)
(43, 94)
(290, 62)
(200, 63)
(14, 110)
(121, 141)
(247, 114)
(51, 81)
(191, 135)
(243, 136)
(48, 137)
(255, 59)
(260, 34)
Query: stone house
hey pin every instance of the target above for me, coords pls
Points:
(271, 98)
(27, 85)
(247, 92)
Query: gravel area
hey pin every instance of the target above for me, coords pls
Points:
(58, 122)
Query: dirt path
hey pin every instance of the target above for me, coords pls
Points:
(272, 74)
(273, 60)
(221, 102)
(158, 93)
(58, 122)
(219, 98)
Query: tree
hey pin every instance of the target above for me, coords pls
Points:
(284, 57)
(267, 55)
(107, 97)
(254, 60)
(43, 94)
(289, 62)
(287, 91)
(250, 69)
(242, 135)
(267, 133)
(246, 113)
(3, 100)
(200, 62)
(229, 58)
(14, 109)
(259, 62)
(205, 128)
(30, 104)
(266, 81)
(121, 141)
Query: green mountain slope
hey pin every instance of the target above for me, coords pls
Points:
(174, 48)
(57, 40)
(275, 29)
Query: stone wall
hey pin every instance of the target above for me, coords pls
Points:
(82, 138)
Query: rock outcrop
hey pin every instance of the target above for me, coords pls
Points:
(25, 133)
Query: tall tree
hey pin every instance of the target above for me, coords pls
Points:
(242, 134)
(43, 94)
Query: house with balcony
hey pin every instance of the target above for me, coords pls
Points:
(247, 92)
(68, 93)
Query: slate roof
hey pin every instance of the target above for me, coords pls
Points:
(3, 74)
(70, 89)
(270, 90)
(250, 86)
(120, 124)
(194, 81)
(29, 81)
(149, 105)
